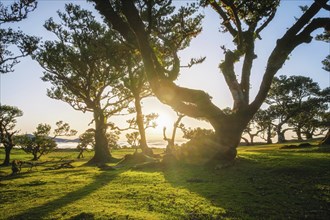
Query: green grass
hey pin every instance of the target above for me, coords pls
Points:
(265, 183)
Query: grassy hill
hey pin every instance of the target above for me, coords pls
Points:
(265, 183)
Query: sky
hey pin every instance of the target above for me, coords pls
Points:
(24, 89)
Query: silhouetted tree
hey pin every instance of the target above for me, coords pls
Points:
(84, 67)
(313, 118)
(41, 143)
(141, 123)
(171, 141)
(326, 139)
(87, 139)
(8, 115)
(15, 12)
(136, 82)
(326, 66)
(255, 127)
(325, 36)
(159, 32)
(133, 139)
(287, 98)
(264, 118)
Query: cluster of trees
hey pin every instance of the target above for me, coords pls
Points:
(293, 103)
(158, 32)
(39, 143)
(107, 67)
(8, 116)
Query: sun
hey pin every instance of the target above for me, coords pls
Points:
(164, 120)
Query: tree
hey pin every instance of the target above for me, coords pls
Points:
(136, 82)
(326, 139)
(112, 138)
(84, 67)
(40, 143)
(141, 123)
(326, 66)
(171, 141)
(133, 139)
(87, 139)
(8, 115)
(26, 44)
(196, 133)
(313, 118)
(288, 97)
(258, 124)
(264, 118)
(325, 36)
(159, 32)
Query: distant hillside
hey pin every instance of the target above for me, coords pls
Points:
(61, 140)
(66, 140)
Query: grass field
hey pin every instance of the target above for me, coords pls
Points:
(265, 183)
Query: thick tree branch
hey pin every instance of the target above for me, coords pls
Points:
(305, 18)
(115, 20)
(265, 24)
(305, 35)
(226, 20)
(227, 69)
(247, 65)
(286, 45)
(239, 38)
(194, 103)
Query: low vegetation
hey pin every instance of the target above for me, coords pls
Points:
(266, 182)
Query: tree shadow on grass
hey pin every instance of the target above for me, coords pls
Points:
(42, 211)
(255, 190)
(20, 175)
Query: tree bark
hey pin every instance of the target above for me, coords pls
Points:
(6, 161)
(326, 139)
(35, 156)
(298, 132)
(280, 137)
(228, 133)
(80, 155)
(252, 139)
(269, 135)
(101, 149)
(280, 134)
(139, 120)
(247, 143)
(171, 142)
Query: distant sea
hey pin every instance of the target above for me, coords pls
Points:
(153, 144)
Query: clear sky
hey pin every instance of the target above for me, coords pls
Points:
(24, 88)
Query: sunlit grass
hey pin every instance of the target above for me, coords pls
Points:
(265, 183)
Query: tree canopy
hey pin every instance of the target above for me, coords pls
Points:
(158, 32)
(26, 44)
(84, 67)
(41, 142)
(8, 116)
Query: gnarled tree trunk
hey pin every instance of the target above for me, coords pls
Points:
(280, 134)
(309, 135)
(228, 132)
(298, 131)
(139, 120)
(326, 139)
(269, 135)
(102, 153)
(6, 161)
